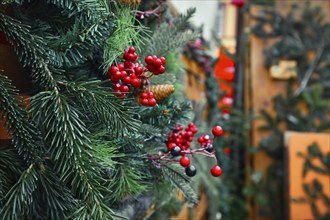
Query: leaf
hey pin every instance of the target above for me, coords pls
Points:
(317, 186)
(307, 189)
(314, 150)
(307, 166)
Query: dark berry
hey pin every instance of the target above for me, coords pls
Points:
(170, 146)
(191, 170)
(217, 131)
(209, 147)
(185, 161)
(216, 170)
(176, 151)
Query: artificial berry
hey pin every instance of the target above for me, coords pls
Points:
(163, 60)
(127, 80)
(138, 70)
(121, 66)
(216, 170)
(185, 161)
(152, 102)
(227, 150)
(145, 102)
(124, 88)
(131, 50)
(157, 62)
(148, 59)
(217, 131)
(176, 151)
(209, 147)
(112, 70)
(144, 95)
(117, 75)
(190, 170)
(135, 82)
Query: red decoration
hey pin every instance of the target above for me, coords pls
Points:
(225, 68)
(238, 3)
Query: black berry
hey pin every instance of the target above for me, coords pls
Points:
(176, 151)
(208, 148)
(190, 170)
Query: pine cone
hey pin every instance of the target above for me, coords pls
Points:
(129, 2)
(162, 91)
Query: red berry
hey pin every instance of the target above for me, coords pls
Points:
(151, 68)
(144, 102)
(127, 80)
(135, 82)
(135, 56)
(217, 131)
(138, 70)
(123, 74)
(131, 49)
(144, 95)
(170, 146)
(216, 170)
(128, 64)
(206, 137)
(160, 70)
(121, 95)
(194, 130)
(116, 90)
(148, 59)
(131, 57)
(121, 66)
(124, 88)
(227, 150)
(150, 95)
(152, 102)
(185, 161)
(113, 69)
(117, 75)
(200, 139)
(163, 60)
(157, 62)
(126, 55)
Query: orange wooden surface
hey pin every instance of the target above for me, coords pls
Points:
(298, 142)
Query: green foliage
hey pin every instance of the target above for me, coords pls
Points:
(302, 109)
(168, 37)
(78, 151)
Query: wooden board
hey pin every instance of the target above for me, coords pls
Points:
(298, 142)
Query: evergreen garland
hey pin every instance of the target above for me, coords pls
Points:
(78, 150)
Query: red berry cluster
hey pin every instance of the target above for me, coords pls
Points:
(155, 64)
(179, 143)
(182, 137)
(132, 73)
(147, 99)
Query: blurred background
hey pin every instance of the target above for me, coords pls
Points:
(265, 64)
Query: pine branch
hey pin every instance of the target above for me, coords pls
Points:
(20, 195)
(126, 34)
(101, 105)
(180, 181)
(127, 178)
(168, 37)
(24, 132)
(30, 50)
(65, 135)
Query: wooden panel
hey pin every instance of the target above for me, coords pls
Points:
(298, 142)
